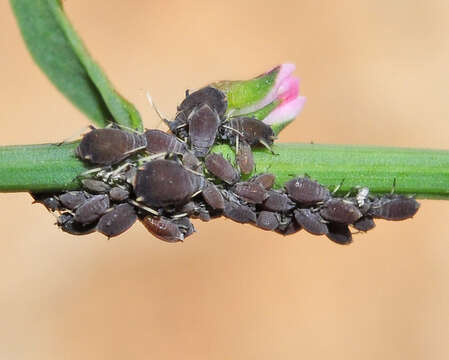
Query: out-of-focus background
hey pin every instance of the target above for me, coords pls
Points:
(374, 72)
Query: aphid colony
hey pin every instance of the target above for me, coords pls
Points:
(165, 179)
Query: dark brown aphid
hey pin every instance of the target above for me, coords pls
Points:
(306, 191)
(161, 142)
(341, 211)
(214, 98)
(68, 224)
(178, 125)
(339, 233)
(277, 201)
(191, 162)
(118, 194)
(217, 165)
(250, 192)
(50, 201)
(394, 207)
(240, 213)
(73, 199)
(265, 179)
(203, 126)
(185, 226)
(288, 226)
(252, 131)
(245, 158)
(267, 220)
(92, 209)
(365, 223)
(311, 222)
(163, 229)
(212, 196)
(161, 183)
(95, 186)
(117, 220)
(108, 146)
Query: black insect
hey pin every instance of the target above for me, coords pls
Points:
(340, 210)
(117, 220)
(245, 158)
(288, 226)
(278, 201)
(158, 141)
(162, 183)
(191, 162)
(312, 222)
(217, 165)
(91, 210)
(73, 199)
(339, 233)
(118, 194)
(267, 220)
(365, 223)
(251, 131)
(163, 228)
(68, 224)
(203, 126)
(306, 191)
(95, 186)
(49, 200)
(109, 146)
(238, 212)
(394, 207)
(250, 192)
(264, 179)
(212, 196)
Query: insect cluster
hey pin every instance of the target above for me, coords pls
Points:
(164, 179)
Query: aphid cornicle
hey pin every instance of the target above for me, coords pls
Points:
(108, 146)
(267, 220)
(238, 212)
(203, 126)
(311, 222)
(265, 179)
(162, 183)
(217, 165)
(92, 209)
(394, 207)
(158, 141)
(73, 199)
(163, 229)
(341, 211)
(339, 233)
(252, 131)
(250, 192)
(117, 220)
(306, 191)
(245, 158)
(277, 201)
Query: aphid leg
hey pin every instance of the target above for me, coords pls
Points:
(91, 171)
(232, 129)
(162, 119)
(264, 143)
(132, 151)
(146, 159)
(237, 144)
(146, 208)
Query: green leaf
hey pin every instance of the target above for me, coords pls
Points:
(60, 53)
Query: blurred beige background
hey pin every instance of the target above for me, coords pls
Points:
(374, 72)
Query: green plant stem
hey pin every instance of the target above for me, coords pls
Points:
(420, 172)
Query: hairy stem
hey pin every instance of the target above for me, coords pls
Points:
(420, 172)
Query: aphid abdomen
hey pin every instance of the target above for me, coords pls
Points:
(203, 126)
(250, 192)
(68, 224)
(214, 98)
(117, 221)
(306, 191)
(213, 197)
(267, 220)
(163, 229)
(73, 199)
(277, 201)
(253, 131)
(265, 179)
(217, 165)
(394, 207)
(159, 141)
(339, 233)
(92, 209)
(245, 158)
(311, 222)
(341, 211)
(365, 223)
(238, 212)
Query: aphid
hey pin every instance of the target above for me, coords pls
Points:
(339, 233)
(118, 194)
(178, 125)
(365, 223)
(311, 222)
(95, 186)
(212, 196)
(73, 199)
(214, 98)
(203, 126)
(244, 158)
(250, 192)
(288, 226)
(92, 209)
(108, 146)
(252, 131)
(68, 224)
(394, 207)
(117, 220)
(361, 196)
(161, 183)
(265, 179)
(221, 168)
(240, 213)
(191, 162)
(267, 220)
(49, 200)
(163, 229)
(159, 141)
(277, 201)
(306, 191)
(341, 211)
(185, 226)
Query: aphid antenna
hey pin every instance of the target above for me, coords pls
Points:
(179, 216)
(146, 159)
(132, 151)
(146, 208)
(338, 186)
(91, 171)
(264, 143)
(196, 193)
(76, 135)
(393, 189)
(232, 129)
(113, 124)
(194, 172)
(162, 119)
(118, 170)
(181, 126)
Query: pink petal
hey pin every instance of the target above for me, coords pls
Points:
(286, 111)
(289, 89)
